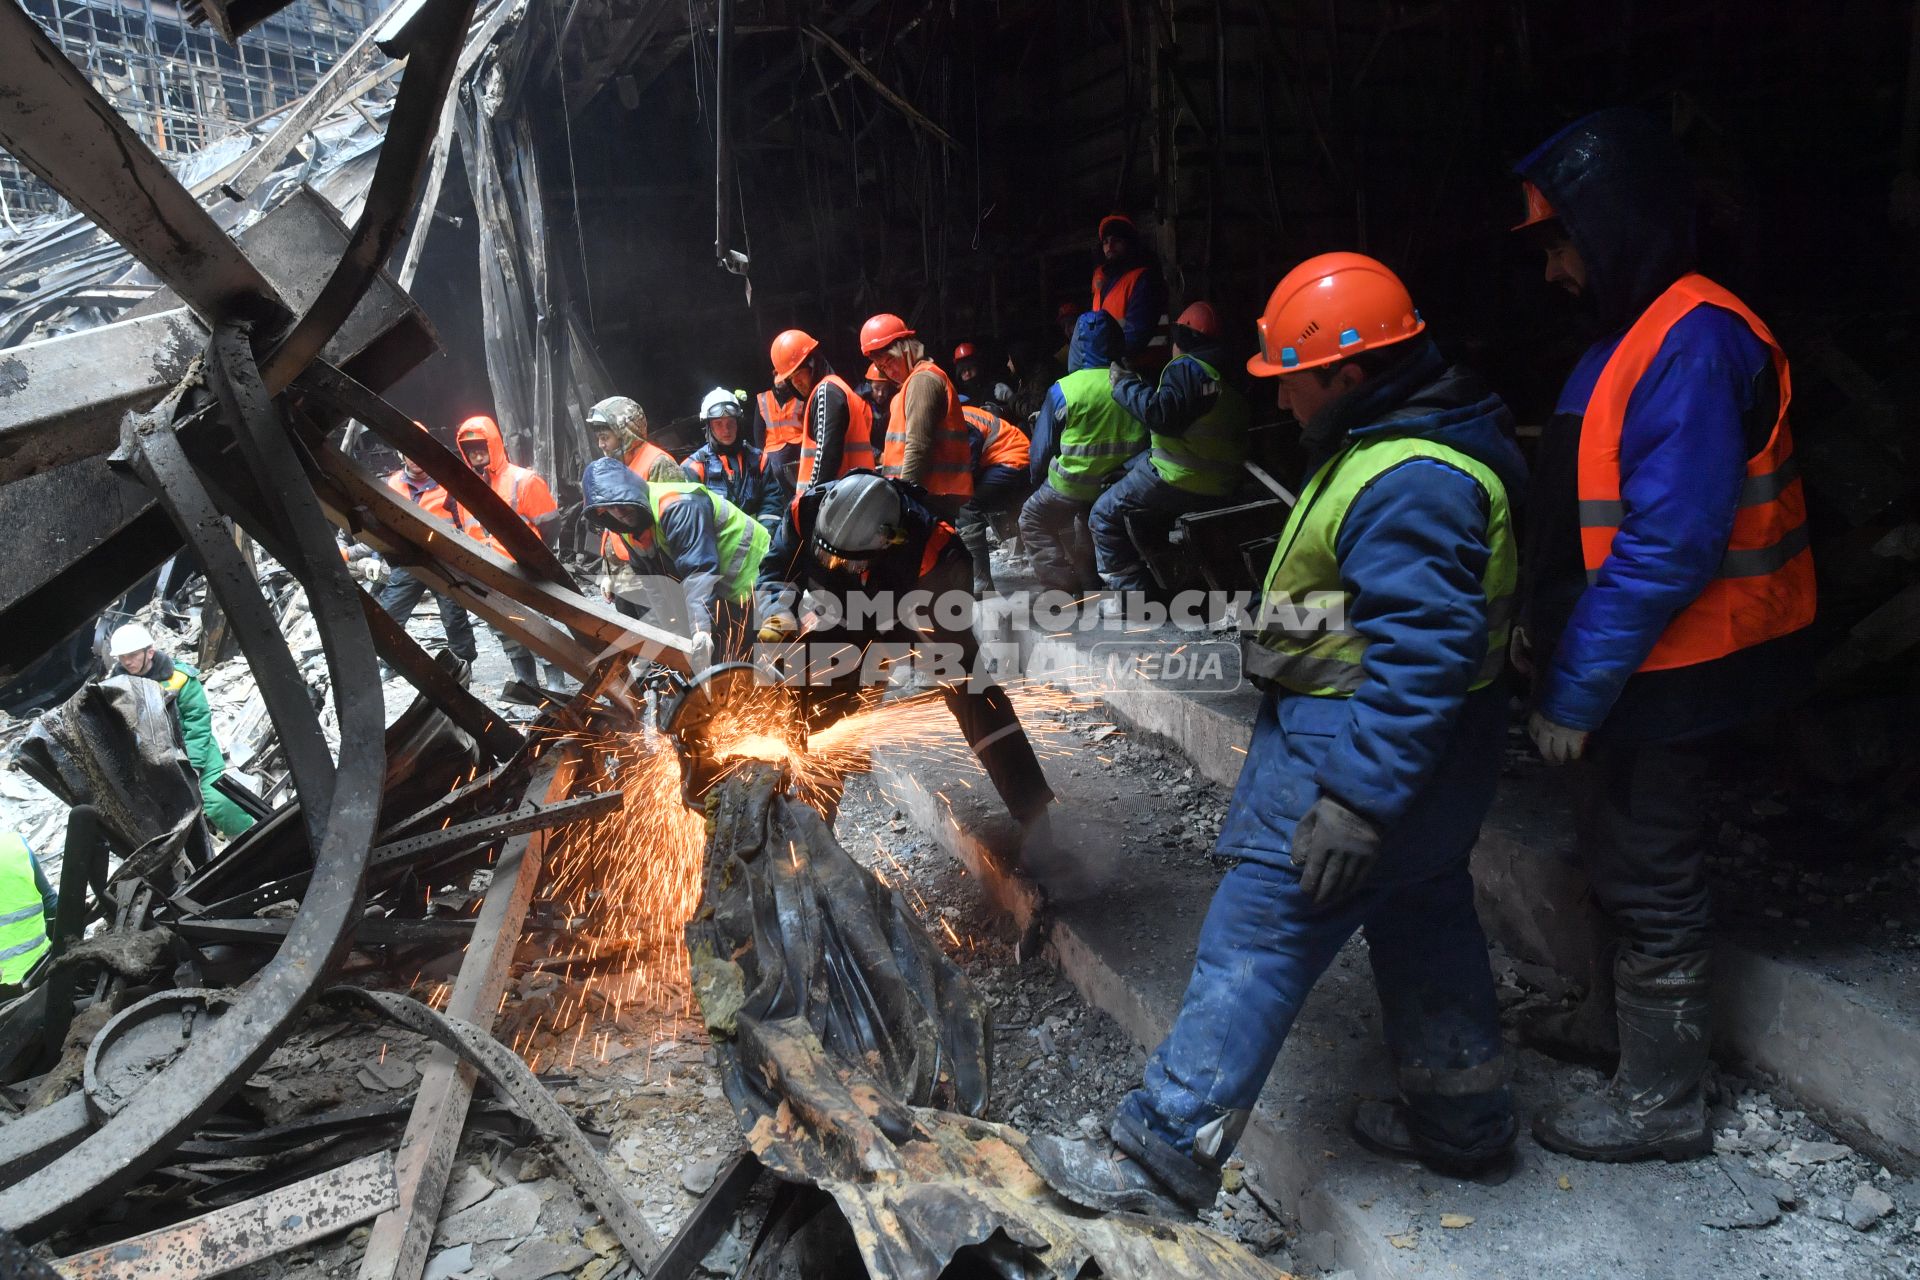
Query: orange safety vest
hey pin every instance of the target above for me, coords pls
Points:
(433, 501)
(856, 451)
(525, 492)
(1002, 443)
(645, 459)
(1765, 587)
(1113, 298)
(785, 425)
(950, 471)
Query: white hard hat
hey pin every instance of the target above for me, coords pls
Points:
(131, 638)
(720, 402)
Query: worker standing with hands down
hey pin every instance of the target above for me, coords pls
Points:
(1669, 588)
(714, 546)
(1128, 286)
(881, 538)
(727, 464)
(1374, 758)
(837, 420)
(402, 591)
(926, 442)
(133, 647)
(1197, 423)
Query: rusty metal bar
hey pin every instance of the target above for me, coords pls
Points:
(60, 127)
(226, 1239)
(397, 1247)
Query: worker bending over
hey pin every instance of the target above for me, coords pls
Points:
(1669, 591)
(715, 548)
(133, 647)
(881, 538)
(1197, 423)
(1373, 760)
(727, 464)
(1001, 456)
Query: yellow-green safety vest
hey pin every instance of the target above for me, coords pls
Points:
(1305, 642)
(1206, 460)
(1097, 436)
(23, 913)
(743, 540)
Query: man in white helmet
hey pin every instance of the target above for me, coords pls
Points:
(133, 647)
(878, 537)
(729, 464)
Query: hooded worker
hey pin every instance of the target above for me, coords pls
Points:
(879, 537)
(1081, 443)
(715, 548)
(838, 421)
(1669, 590)
(134, 648)
(526, 492)
(1381, 651)
(1128, 286)
(1197, 422)
(728, 464)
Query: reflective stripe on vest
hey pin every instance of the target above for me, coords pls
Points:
(856, 450)
(1765, 586)
(1306, 642)
(742, 540)
(1001, 443)
(949, 469)
(1097, 436)
(1207, 459)
(23, 913)
(784, 421)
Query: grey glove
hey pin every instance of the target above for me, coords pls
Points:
(1335, 850)
(1557, 743)
(374, 570)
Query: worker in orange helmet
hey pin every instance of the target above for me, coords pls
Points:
(838, 422)
(927, 441)
(1380, 652)
(524, 490)
(1128, 286)
(969, 374)
(1669, 593)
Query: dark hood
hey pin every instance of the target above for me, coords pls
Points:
(608, 483)
(1097, 342)
(1624, 193)
(1427, 397)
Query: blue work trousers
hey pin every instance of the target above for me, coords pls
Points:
(1147, 503)
(401, 595)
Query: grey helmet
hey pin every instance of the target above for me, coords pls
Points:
(859, 517)
(620, 414)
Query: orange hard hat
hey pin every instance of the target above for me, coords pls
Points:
(881, 332)
(1117, 224)
(874, 374)
(791, 348)
(1331, 307)
(964, 351)
(1201, 318)
(1538, 210)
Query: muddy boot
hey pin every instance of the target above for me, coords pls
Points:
(1382, 1127)
(1656, 1105)
(1095, 1174)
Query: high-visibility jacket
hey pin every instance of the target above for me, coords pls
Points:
(23, 912)
(1001, 443)
(785, 422)
(949, 471)
(742, 540)
(1765, 586)
(432, 499)
(1206, 458)
(1097, 438)
(523, 488)
(856, 449)
(1305, 643)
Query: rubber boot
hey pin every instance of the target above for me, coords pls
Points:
(1656, 1104)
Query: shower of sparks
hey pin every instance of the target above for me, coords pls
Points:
(629, 882)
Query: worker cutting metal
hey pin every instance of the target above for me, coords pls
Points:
(865, 537)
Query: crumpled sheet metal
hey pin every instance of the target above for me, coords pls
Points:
(112, 745)
(796, 950)
(801, 957)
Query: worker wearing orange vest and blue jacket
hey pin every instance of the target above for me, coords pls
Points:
(727, 464)
(1128, 286)
(527, 493)
(1001, 455)
(779, 431)
(838, 420)
(1669, 588)
(401, 592)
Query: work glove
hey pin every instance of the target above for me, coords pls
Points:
(1117, 373)
(1557, 743)
(373, 569)
(1335, 850)
(700, 651)
(778, 626)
